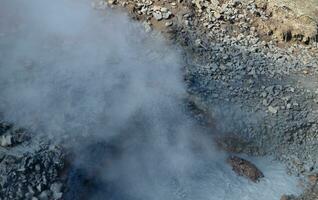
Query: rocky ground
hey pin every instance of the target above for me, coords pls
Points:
(251, 70)
(249, 67)
(29, 168)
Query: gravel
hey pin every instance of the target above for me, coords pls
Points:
(256, 85)
(29, 169)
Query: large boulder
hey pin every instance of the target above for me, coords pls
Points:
(245, 168)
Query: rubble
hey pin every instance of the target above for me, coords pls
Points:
(243, 66)
(9, 136)
(29, 174)
(262, 77)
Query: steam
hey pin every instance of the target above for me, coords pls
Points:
(69, 72)
(76, 71)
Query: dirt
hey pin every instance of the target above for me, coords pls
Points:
(291, 20)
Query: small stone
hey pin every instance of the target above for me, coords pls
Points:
(223, 67)
(57, 196)
(284, 197)
(156, 8)
(45, 195)
(111, 2)
(163, 9)
(217, 15)
(272, 109)
(56, 187)
(37, 167)
(169, 23)
(30, 189)
(39, 187)
(166, 15)
(28, 195)
(263, 94)
(313, 179)
(198, 42)
(157, 15)
(287, 197)
(6, 140)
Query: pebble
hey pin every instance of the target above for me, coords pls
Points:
(166, 15)
(169, 23)
(6, 140)
(157, 15)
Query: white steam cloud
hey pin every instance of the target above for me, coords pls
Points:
(68, 71)
(67, 68)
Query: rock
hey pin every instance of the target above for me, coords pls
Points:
(198, 5)
(112, 2)
(56, 187)
(39, 187)
(198, 42)
(284, 197)
(169, 23)
(166, 15)
(157, 15)
(217, 15)
(6, 140)
(245, 168)
(287, 197)
(58, 195)
(272, 109)
(287, 36)
(313, 179)
(37, 167)
(164, 10)
(45, 195)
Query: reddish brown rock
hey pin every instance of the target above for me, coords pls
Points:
(245, 168)
(313, 179)
(287, 197)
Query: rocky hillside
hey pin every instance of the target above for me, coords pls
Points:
(251, 65)
(251, 73)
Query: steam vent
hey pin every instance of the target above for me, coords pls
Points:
(159, 100)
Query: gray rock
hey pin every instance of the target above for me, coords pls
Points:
(272, 109)
(157, 15)
(56, 187)
(166, 15)
(6, 140)
(57, 196)
(112, 2)
(45, 195)
(169, 23)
